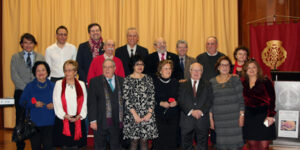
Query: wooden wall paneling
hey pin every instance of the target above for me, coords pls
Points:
(1, 81)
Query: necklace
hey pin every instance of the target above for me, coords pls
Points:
(164, 81)
(41, 86)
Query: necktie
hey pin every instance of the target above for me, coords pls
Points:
(131, 53)
(28, 60)
(194, 88)
(162, 57)
(181, 64)
(111, 85)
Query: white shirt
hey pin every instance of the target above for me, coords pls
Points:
(197, 83)
(212, 54)
(160, 55)
(108, 57)
(71, 99)
(56, 57)
(129, 50)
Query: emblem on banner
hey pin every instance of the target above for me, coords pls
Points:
(274, 54)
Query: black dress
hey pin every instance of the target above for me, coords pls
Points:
(260, 103)
(167, 120)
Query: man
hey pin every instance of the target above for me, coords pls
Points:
(185, 60)
(58, 53)
(130, 49)
(89, 50)
(21, 74)
(161, 54)
(208, 59)
(96, 69)
(105, 107)
(195, 99)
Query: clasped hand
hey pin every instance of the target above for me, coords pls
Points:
(197, 114)
(146, 118)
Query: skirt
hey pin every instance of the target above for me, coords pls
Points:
(59, 139)
(254, 128)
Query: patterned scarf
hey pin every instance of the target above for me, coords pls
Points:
(79, 92)
(95, 46)
(108, 100)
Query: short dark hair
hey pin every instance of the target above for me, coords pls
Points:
(219, 62)
(93, 24)
(29, 37)
(134, 60)
(244, 48)
(37, 63)
(61, 27)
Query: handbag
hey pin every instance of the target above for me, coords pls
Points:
(25, 128)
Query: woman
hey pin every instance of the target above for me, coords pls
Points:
(138, 94)
(69, 99)
(166, 109)
(38, 97)
(241, 55)
(227, 112)
(259, 95)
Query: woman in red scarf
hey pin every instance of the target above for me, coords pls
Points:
(69, 99)
(241, 55)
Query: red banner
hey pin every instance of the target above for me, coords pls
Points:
(262, 39)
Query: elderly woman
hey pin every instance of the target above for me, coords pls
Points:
(241, 55)
(38, 98)
(259, 95)
(69, 99)
(166, 109)
(227, 112)
(138, 94)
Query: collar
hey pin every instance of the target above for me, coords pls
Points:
(212, 54)
(129, 48)
(113, 78)
(108, 57)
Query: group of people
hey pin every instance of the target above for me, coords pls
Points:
(173, 100)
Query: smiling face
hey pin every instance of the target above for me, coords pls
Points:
(27, 45)
(95, 33)
(196, 71)
(241, 55)
(138, 67)
(224, 67)
(252, 70)
(211, 45)
(166, 71)
(160, 45)
(108, 69)
(182, 49)
(109, 47)
(69, 71)
(41, 73)
(62, 36)
(132, 37)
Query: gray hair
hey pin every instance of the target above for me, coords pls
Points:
(109, 60)
(213, 38)
(105, 42)
(181, 42)
(132, 28)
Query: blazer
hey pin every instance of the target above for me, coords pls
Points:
(122, 53)
(187, 102)
(96, 102)
(152, 62)
(84, 58)
(187, 63)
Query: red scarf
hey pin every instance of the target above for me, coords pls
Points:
(79, 93)
(235, 66)
(95, 46)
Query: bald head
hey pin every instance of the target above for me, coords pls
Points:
(211, 45)
(160, 45)
(196, 70)
(109, 47)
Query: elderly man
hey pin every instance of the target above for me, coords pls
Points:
(21, 73)
(130, 49)
(209, 58)
(89, 50)
(161, 54)
(185, 60)
(96, 69)
(105, 107)
(195, 100)
(58, 53)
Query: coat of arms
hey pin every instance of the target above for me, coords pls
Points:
(274, 54)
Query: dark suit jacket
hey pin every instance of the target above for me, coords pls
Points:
(122, 53)
(187, 102)
(84, 58)
(97, 103)
(187, 63)
(152, 61)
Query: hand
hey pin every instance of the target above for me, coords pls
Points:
(137, 119)
(212, 124)
(39, 104)
(147, 117)
(164, 104)
(182, 80)
(197, 114)
(77, 117)
(70, 118)
(93, 125)
(271, 120)
(50, 106)
(173, 104)
(241, 121)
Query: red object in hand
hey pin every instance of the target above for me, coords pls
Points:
(171, 100)
(33, 100)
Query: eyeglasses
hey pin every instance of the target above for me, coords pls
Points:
(139, 64)
(62, 34)
(224, 65)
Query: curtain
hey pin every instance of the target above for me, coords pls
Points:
(191, 20)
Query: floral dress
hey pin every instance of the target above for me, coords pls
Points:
(138, 94)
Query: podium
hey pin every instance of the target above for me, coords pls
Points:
(287, 89)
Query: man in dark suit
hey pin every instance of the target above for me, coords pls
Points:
(195, 100)
(89, 50)
(152, 60)
(105, 107)
(130, 49)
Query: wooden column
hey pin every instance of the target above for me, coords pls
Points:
(1, 73)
